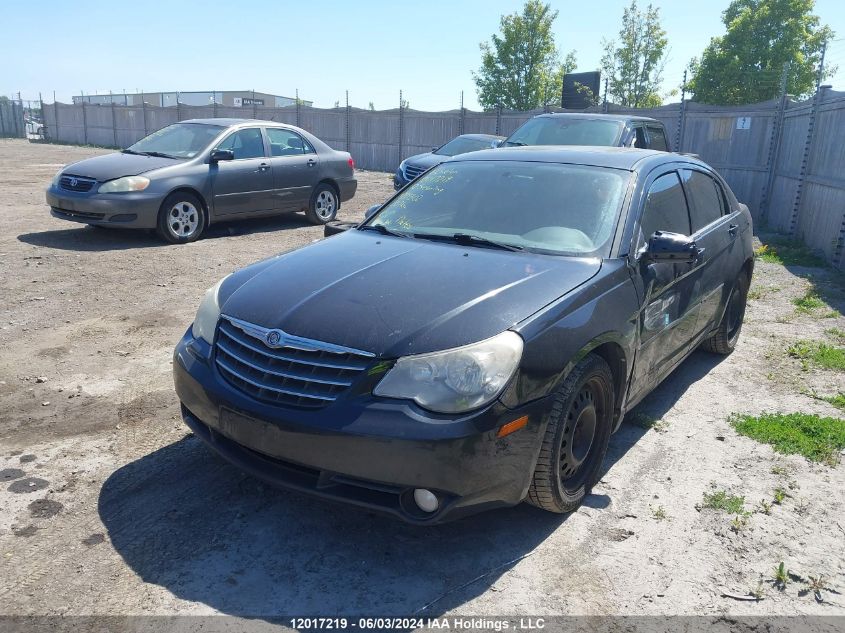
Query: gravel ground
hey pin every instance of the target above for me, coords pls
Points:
(109, 506)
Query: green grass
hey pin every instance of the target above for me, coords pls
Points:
(816, 438)
(819, 353)
(837, 333)
(837, 401)
(721, 500)
(809, 302)
(779, 250)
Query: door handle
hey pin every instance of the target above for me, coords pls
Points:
(263, 167)
(311, 162)
(733, 228)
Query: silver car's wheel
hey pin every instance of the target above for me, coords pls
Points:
(183, 220)
(324, 204)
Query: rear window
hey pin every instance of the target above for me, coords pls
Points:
(567, 131)
(657, 138)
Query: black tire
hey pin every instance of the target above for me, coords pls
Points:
(324, 204)
(725, 338)
(576, 439)
(182, 218)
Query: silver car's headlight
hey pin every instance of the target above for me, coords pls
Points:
(56, 178)
(402, 167)
(127, 183)
(209, 312)
(458, 379)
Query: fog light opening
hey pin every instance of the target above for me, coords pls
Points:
(426, 500)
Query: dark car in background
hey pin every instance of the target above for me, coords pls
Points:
(413, 166)
(609, 130)
(476, 340)
(187, 176)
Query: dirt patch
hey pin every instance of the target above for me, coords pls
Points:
(153, 523)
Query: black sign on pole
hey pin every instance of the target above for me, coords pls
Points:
(580, 90)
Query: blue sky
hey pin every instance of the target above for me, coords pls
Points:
(373, 48)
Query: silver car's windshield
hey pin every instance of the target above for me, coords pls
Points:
(550, 208)
(567, 131)
(181, 140)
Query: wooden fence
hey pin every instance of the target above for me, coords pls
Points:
(784, 159)
(12, 120)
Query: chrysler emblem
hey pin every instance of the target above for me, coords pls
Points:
(73, 182)
(274, 337)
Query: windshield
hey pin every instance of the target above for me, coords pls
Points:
(182, 140)
(541, 207)
(567, 131)
(462, 145)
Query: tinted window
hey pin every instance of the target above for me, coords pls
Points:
(705, 198)
(657, 138)
(287, 143)
(567, 131)
(463, 145)
(182, 140)
(665, 208)
(547, 207)
(639, 137)
(244, 143)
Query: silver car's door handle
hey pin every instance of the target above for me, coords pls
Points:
(311, 162)
(263, 167)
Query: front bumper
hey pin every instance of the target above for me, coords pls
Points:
(363, 450)
(136, 210)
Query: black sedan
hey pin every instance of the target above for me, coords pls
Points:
(186, 176)
(477, 339)
(413, 166)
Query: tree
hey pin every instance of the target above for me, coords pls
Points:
(633, 65)
(372, 107)
(745, 64)
(521, 68)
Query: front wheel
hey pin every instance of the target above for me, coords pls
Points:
(181, 218)
(323, 205)
(725, 338)
(576, 439)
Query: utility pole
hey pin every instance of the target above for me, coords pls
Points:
(774, 144)
(347, 121)
(682, 116)
(604, 106)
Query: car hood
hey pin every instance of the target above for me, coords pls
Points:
(117, 165)
(395, 296)
(426, 161)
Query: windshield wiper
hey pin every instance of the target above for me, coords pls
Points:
(516, 143)
(468, 240)
(158, 155)
(131, 151)
(381, 228)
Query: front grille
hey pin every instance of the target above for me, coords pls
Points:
(76, 183)
(311, 377)
(412, 171)
(82, 215)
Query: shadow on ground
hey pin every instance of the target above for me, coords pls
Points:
(96, 239)
(186, 521)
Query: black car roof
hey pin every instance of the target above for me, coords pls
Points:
(596, 115)
(615, 157)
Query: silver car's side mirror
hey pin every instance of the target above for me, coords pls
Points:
(371, 211)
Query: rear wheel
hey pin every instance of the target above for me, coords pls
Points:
(727, 335)
(576, 438)
(181, 218)
(323, 205)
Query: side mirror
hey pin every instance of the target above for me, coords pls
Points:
(499, 143)
(221, 154)
(371, 211)
(434, 149)
(664, 246)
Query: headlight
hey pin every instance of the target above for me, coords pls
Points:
(402, 167)
(58, 175)
(457, 379)
(209, 311)
(127, 183)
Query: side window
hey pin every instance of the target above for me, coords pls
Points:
(639, 137)
(665, 208)
(245, 143)
(706, 198)
(657, 138)
(286, 143)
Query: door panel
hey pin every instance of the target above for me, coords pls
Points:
(712, 232)
(296, 168)
(243, 185)
(669, 315)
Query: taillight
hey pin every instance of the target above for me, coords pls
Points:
(351, 164)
